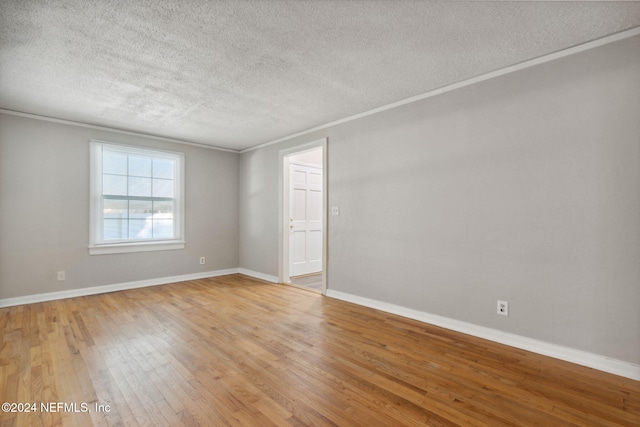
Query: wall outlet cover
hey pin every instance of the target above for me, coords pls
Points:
(503, 308)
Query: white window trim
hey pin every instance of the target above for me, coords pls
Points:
(96, 245)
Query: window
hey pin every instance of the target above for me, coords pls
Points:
(136, 200)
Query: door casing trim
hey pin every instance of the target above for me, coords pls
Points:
(283, 180)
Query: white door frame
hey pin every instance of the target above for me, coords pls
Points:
(283, 214)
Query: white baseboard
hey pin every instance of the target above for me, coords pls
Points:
(595, 361)
(258, 275)
(71, 293)
(591, 360)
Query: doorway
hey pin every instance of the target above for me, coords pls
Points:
(303, 214)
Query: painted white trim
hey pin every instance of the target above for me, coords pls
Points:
(480, 78)
(283, 201)
(591, 360)
(125, 248)
(72, 293)
(258, 275)
(596, 361)
(97, 245)
(115, 130)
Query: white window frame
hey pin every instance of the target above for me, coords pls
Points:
(97, 245)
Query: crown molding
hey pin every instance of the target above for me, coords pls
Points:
(467, 82)
(110, 129)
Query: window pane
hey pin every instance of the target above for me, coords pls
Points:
(114, 209)
(139, 166)
(163, 168)
(114, 163)
(162, 188)
(140, 209)
(140, 187)
(162, 210)
(114, 185)
(139, 198)
(115, 229)
(163, 228)
(140, 229)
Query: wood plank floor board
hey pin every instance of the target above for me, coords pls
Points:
(284, 390)
(467, 374)
(475, 358)
(363, 379)
(236, 351)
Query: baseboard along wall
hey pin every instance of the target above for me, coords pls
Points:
(595, 361)
(258, 275)
(591, 360)
(71, 293)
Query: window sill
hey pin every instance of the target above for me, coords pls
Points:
(121, 248)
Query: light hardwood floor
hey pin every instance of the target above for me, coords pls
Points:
(237, 351)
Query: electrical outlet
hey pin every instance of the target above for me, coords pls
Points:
(335, 210)
(202, 260)
(62, 275)
(503, 308)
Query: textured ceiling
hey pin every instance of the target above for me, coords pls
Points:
(235, 74)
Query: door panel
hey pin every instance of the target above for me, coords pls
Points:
(315, 246)
(315, 178)
(299, 205)
(299, 243)
(305, 218)
(315, 205)
(299, 177)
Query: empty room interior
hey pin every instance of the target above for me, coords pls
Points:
(292, 213)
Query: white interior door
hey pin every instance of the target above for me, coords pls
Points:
(305, 219)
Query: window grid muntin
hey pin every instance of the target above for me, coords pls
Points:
(128, 198)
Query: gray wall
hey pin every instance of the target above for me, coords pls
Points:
(44, 211)
(524, 188)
